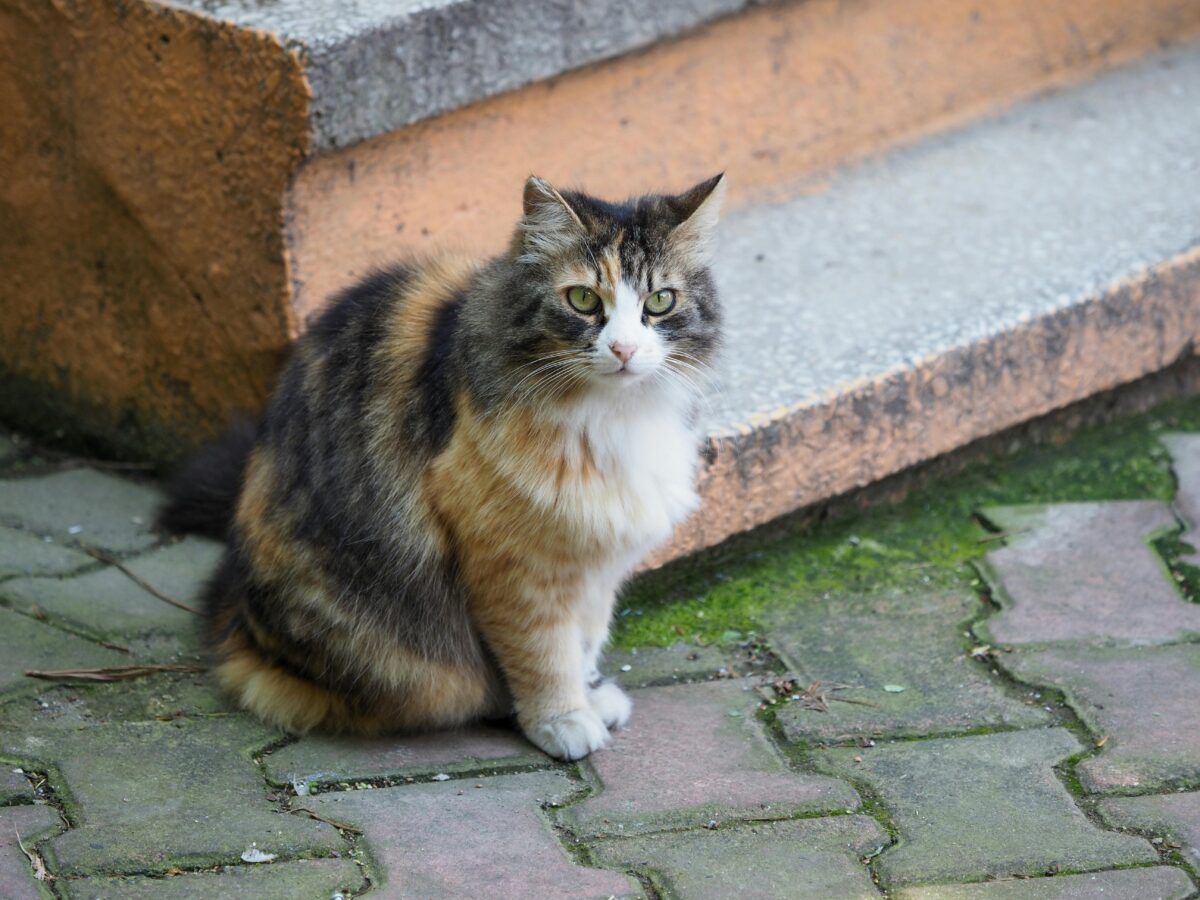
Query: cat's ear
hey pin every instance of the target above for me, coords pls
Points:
(549, 225)
(697, 210)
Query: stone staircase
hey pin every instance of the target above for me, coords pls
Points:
(947, 217)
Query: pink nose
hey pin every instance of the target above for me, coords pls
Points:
(623, 352)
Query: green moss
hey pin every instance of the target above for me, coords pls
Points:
(926, 540)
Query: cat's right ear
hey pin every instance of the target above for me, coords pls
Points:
(549, 225)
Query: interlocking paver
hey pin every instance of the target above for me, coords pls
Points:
(25, 554)
(693, 754)
(83, 506)
(902, 640)
(107, 603)
(329, 758)
(1175, 817)
(987, 806)
(1146, 702)
(664, 665)
(26, 644)
(1185, 460)
(279, 881)
(453, 839)
(152, 795)
(31, 824)
(1085, 572)
(800, 858)
(14, 786)
(1158, 883)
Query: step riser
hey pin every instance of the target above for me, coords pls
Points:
(797, 457)
(772, 96)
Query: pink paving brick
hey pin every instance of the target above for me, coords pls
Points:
(1084, 571)
(695, 754)
(452, 839)
(1146, 702)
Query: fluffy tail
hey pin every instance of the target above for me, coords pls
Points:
(203, 494)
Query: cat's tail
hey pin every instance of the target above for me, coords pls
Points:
(202, 496)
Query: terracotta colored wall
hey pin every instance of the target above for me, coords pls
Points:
(772, 96)
(145, 156)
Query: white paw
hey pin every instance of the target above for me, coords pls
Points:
(572, 735)
(611, 704)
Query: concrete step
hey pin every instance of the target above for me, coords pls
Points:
(197, 177)
(955, 289)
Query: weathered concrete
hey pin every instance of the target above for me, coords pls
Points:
(82, 506)
(1084, 572)
(31, 824)
(22, 553)
(694, 754)
(1174, 817)
(803, 858)
(26, 644)
(279, 881)
(645, 666)
(320, 758)
(14, 786)
(981, 807)
(1143, 701)
(1185, 459)
(453, 839)
(857, 645)
(1158, 883)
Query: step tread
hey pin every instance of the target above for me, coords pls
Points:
(378, 65)
(958, 239)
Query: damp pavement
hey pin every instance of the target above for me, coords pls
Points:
(1036, 738)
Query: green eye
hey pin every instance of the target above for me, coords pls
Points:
(583, 299)
(660, 302)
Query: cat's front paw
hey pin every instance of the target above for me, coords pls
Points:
(611, 704)
(570, 736)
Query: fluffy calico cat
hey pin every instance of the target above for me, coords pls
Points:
(457, 469)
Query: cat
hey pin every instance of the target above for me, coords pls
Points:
(457, 469)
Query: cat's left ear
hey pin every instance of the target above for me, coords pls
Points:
(698, 209)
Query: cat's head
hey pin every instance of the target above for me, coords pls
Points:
(616, 296)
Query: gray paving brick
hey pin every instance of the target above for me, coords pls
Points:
(768, 860)
(693, 754)
(452, 839)
(1085, 572)
(663, 665)
(279, 881)
(13, 785)
(27, 644)
(1157, 883)
(908, 640)
(987, 806)
(109, 512)
(1175, 817)
(1185, 460)
(1143, 701)
(26, 554)
(330, 758)
(31, 824)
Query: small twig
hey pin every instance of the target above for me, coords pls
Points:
(342, 826)
(111, 673)
(35, 859)
(111, 646)
(139, 581)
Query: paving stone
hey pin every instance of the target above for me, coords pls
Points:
(1158, 883)
(107, 603)
(327, 758)
(800, 858)
(151, 795)
(14, 786)
(28, 644)
(1185, 460)
(1173, 816)
(912, 641)
(663, 665)
(1144, 701)
(453, 839)
(987, 806)
(110, 512)
(32, 823)
(1085, 572)
(278, 881)
(25, 554)
(693, 754)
